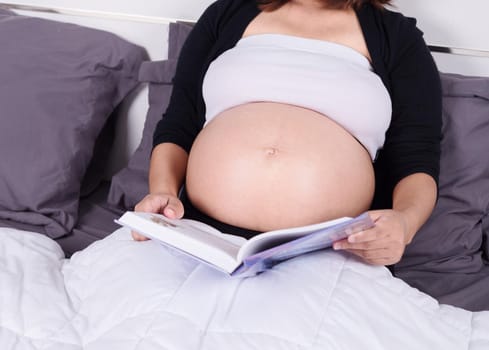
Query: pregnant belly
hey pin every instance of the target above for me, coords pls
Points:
(265, 166)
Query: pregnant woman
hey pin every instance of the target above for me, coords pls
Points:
(290, 112)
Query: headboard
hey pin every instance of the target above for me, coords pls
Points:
(458, 42)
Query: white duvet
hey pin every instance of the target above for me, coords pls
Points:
(121, 294)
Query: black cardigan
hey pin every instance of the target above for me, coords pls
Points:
(399, 56)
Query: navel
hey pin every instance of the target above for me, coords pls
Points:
(271, 151)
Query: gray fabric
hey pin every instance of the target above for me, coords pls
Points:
(176, 38)
(130, 184)
(94, 175)
(59, 83)
(95, 221)
(5, 12)
(448, 257)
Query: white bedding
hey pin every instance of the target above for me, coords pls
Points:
(121, 294)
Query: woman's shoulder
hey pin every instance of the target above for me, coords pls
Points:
(394, 32)
(397, 25)
(227, 8)
(224, 5)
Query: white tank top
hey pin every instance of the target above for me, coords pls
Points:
(329, 78)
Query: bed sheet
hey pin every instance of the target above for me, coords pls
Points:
(122, 294)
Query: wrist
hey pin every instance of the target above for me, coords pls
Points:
(409, 223)
(414, 198)
(164, 192)
(169, 188)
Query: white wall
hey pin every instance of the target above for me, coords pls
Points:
(185, 9)
(453, 23)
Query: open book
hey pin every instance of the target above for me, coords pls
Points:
(237, 255)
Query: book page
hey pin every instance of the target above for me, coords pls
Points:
(317, 240)
(237, 240)
(274, 238)
(194, 238)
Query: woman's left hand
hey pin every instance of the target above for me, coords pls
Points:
(383, 244)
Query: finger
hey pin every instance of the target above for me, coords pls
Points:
(151, 204)
(173, 209)
(374, 255)
(381, 243)
(379, 256)
(375, 215)
(137, 237)
(383, 261)
(369, 235)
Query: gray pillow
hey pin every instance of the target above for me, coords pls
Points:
(130, 184)
(59, 83)
(448, 257)
(453, 238)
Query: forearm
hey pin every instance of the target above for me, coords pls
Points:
(415, 197)
(167, 169)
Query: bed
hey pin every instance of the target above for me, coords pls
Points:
(70, 278)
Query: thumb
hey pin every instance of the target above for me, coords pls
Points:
(173, 209)
(375, 214)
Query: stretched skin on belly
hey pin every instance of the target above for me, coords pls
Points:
(265, 166)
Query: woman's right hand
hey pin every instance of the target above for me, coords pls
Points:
(159, 203)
